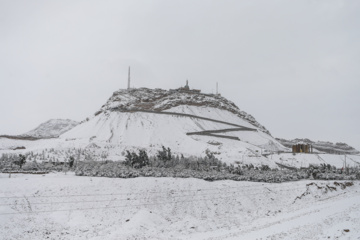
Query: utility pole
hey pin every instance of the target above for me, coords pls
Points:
(129, 79)
(217, 92)
(345, 162)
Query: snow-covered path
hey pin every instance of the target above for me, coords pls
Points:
(324, 219)
(59, 206)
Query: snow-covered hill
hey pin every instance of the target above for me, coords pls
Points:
(188, 122)
(160, 100)
(51, 128)
(322, 146)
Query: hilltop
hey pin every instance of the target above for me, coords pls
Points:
(162, 100)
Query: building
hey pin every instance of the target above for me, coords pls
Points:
(302, 148)
(186, 88)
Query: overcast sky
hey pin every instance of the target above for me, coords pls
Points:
(293, 65)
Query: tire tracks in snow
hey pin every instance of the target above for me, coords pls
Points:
(286, 223)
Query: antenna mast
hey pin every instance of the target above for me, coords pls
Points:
(129, 79)
(217, 89)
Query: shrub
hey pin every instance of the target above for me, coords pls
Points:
(137, 161)
(20, 161)
(164, 154)
(265, 168)
(71, 161)
(30, 166)
(249, 167)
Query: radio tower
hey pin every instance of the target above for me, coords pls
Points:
(129, 79)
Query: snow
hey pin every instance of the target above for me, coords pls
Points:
(59, 206)
(65, 206)
(52, 128)
(160, 100)
(304, 159)
(111, 132)
(210, 112)
(116, 132)
(151, 131)
(321, 146)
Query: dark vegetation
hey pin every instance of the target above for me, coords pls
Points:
(11, 163)
(20, 161)
(137, 161)
(208, 168)
(164, 164)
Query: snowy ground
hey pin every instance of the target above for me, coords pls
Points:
(59, 206)
(113, 133)
(304, 159)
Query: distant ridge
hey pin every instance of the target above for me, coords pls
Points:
(19, 137)
(50, 129)
(322, 146)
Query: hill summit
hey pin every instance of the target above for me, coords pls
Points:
(158, 100)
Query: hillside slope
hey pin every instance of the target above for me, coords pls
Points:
(51, 128)
(189, 123)
(161, 100)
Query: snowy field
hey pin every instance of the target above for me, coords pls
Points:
(304, 159)
(59, 206)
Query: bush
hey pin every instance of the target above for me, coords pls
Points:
(71, 161)
(137, 161)
(164, 155)
(30, 166)
(20, 161)
(208, 168)
(265, 168)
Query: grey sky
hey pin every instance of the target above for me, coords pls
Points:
(293, 65)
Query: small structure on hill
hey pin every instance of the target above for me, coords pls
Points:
(186, 88)
(217, 90)
(128, 87)
(302, 148)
